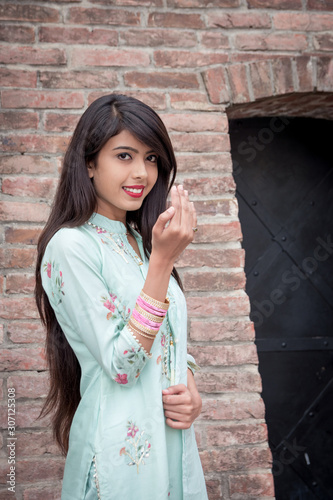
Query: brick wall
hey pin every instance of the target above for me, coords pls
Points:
(194, 61)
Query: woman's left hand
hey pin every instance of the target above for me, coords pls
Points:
(182, 405)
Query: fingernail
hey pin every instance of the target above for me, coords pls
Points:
(173, 188)
(171, 210)
(186, 192)
(165, 391)
(180, 187)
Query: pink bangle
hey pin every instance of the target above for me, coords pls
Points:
(150, 308)
(145, 321)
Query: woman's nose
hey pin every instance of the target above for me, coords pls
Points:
(139, 169)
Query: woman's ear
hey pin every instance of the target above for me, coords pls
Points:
(91, 169)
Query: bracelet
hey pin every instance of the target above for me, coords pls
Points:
(138, 332)
(143, 328)
(145, 321)
(146, 314)
(156, 303)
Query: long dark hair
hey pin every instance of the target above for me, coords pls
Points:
(74, 203)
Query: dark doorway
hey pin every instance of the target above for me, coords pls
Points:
(283, 168)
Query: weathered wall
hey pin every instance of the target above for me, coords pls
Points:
(189, 59)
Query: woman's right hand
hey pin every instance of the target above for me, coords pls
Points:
(169, 240)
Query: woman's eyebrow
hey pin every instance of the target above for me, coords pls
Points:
(132, 149)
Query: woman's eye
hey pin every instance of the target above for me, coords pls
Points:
(152, 158)
(124, 156)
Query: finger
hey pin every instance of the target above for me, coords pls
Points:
(177, 425)
(176, 203)
(162, 220)
(175, 389)
(181, 417)
(183, 409)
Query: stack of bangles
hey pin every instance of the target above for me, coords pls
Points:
(147, 316)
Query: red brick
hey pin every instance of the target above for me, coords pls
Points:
(18, 78)
(33, 56)
(254, 485)
(50, 492)
(29, 470)
(30, 385)
(238, 83)
(217, 85)
(252, 56)
(232, 20)
(60, 122)
(233, 408)
(72, 35)
(156, 37)
(195, 122)
(323, 42)
(239, 434)
(2, 281)
(175, 20)
(108, 57)
(213, 281)
(214, 40)
(283, 76)
(223, 231)
(26, 416)
(260, 77)
(320, 4)
(16, 120)
(227, 207)
(303, 21)
(192, 101)
(228, 381)
(201, 4)
(325, 74)
(272, 41)
(79, 79)
(34, 443)
(26, 164)
(34, 143)
(17, 211)
(304, 69)
(241, 330)
(213, 487)
(200, 142)
(154, 99)
(222, 258)
(20, 283)
(209, 186)
(41, 99)
(135, 3)
(40, 187)
(161, 80)
(187, 59)
(225, 355)
(17, 34)
(26, 333)
(24, 358)
(18, 257)
(198, 162)
(79, 15)
(236, 459)
(275, 4)
(26, 235)
(32, 13)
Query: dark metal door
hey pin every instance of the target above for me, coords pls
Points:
(284, 175)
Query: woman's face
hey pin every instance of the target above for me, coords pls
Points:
(124, 173)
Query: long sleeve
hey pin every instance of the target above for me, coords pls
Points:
(86, 309)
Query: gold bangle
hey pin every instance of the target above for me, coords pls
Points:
(138, 332)
(152, 317)
(143, 328)
(154, 302)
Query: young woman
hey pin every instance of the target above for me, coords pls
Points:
(122, 394)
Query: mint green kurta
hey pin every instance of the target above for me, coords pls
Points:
(93, 277)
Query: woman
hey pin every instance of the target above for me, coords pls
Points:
(107, 290)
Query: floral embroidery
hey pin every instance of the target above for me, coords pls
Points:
(121, 378)
(133, 355)
(57, 283)
(138, 447)
(163, 340)
(109, 304)
(159, 359)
